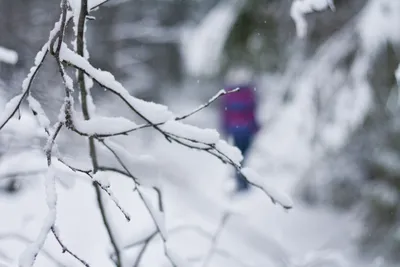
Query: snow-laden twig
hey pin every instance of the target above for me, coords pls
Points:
(13, 105)
(106, 188)
(39, 113)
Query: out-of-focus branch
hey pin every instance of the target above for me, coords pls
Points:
(215, 237)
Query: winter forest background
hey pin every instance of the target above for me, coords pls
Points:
(330, 136)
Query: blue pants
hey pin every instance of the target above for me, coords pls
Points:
(243, 142)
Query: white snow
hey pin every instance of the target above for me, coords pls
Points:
(102, 178)
(143, 167)
(202, 46)
(208, 136)
(300, 8)
(231, 152)
(157, 215)
(28, 257)
(155, 113)
(8, 56)
(44, 122)
(10, 107)
(377, 25)
(38, 60)
(274, 194)
(103, 125)
(268, 236)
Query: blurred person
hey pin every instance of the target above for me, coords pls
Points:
(239, 122)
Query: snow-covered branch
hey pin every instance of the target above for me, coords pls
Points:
(92, 127)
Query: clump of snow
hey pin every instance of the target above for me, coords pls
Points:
(302, 7)
(102, 179)
(103, 125)
(8, 56)
(232, 152)
(180, 129)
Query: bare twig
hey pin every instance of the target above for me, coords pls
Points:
(111, 169)
(65, 248)
(209, 102)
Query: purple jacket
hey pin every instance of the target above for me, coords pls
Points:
(238, 111)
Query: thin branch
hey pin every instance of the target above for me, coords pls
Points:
(65, 248)
(27, 240)
(98, 5)
(74, 169)
(146, 243)
(60, 34)
(111, 169)
(80, 44)
(209, 102)
(28, 81)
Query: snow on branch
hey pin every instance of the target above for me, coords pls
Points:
(13, 105)
(143, 170)
(102, 126)
(300, 8)
(256, 180)
(149, 111)
(39, 113)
